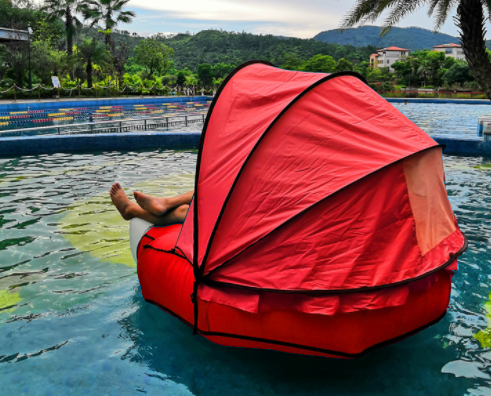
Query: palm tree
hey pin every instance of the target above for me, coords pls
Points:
(91, 52)
(108, 13)
(425, 69)
(66, 10)
(471, 18)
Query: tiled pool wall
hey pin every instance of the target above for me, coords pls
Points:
(33, 145)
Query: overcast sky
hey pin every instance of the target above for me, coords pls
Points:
(295, 18)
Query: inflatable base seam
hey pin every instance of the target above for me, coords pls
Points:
(304, 347)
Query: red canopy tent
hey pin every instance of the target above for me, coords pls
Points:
(315, 200)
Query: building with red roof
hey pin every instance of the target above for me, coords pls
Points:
(451, 50)
(386, 57)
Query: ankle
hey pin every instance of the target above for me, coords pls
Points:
(167, 202)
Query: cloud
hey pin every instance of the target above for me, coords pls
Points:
(293, 18)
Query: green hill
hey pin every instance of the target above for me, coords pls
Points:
(216, 46)
(413, 38)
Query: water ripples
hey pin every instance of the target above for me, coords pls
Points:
(72, 319)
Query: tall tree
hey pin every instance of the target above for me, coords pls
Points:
(471, 18)
(108, 13)
(120, 57)
(205, 73)
(90, 52)
(66, 10)
(320, 63)
(153, 55)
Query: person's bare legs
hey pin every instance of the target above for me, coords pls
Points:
(159, 206)
(130, 210)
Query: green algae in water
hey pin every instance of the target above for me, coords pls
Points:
(96, 227)
(484, 336)
(8, 300)
(483, 167)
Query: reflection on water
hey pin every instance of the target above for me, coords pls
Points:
(72, 319)
(445, 119)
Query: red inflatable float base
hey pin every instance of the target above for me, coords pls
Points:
(167, 281)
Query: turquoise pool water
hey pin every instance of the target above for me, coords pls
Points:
(73, 322)
(445, 119)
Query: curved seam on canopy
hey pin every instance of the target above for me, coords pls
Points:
(201, 145)
(207, 276)
(273, 123)
(172, 252)
(196, 269)
(180, 231)
(299, 346)
(211, 282)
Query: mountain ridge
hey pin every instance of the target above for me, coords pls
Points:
(413, 38)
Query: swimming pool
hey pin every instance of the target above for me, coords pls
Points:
(435, 119)
(445, 119)
(73, 322)
(75, 115)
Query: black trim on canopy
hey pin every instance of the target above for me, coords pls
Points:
(298, 346)
(258, 143)
(196, 270)
(199, 270)
(207, 276)
(211, 282)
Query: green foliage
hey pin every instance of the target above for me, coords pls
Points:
(292, 62)
(222, 70)
(426, 68)
(90, 53)
(413, 38)
(66, 10)
(153, 55)
(459, 73)
(205, 74)
(108, 13)
(13, 17)
(181, 78)
(50, 32)
(215, 46)
(320, 63)
(344, 65)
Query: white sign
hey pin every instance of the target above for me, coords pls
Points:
(56, 82)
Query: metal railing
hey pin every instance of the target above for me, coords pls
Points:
(116, 126)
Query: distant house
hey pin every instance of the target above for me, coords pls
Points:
(386, 57)
(452, 50)
(373, 61)
(9, 35)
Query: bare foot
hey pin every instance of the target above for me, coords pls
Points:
(157, 206)
(122, 202)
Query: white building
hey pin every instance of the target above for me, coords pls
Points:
(386, 57)
(452, 50)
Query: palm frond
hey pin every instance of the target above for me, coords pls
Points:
(487, 7)
(359, 12)
(443, 9)
(400, 9)
(431, 8)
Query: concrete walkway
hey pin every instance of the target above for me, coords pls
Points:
(440, 101)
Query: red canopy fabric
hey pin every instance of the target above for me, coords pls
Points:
(312, 183)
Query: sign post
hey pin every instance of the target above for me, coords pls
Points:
(56, 84)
